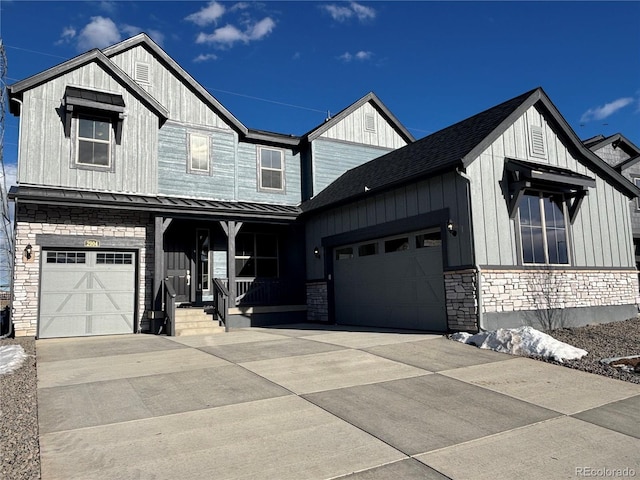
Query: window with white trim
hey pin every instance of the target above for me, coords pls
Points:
(198, 154)
(93, 141)
(271, 169)
(543, 229)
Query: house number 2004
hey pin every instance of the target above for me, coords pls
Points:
(91, 243)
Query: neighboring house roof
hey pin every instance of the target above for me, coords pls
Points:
(17, 89)
(144, 40)
(616, 141)
(377, 103)
(454, 147)
(160, 204)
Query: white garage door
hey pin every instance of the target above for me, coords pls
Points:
(394, 282)
(86, 292)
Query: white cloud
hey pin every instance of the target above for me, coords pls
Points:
(606, 110)
(361, 55)
(157, 36)
(261, 29)
(107, 6)
(205, 57)
(363, 13)
(99, 33)
(207, 15)
(341, 13)
(230, 34)
(68, 34)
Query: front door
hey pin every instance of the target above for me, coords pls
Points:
(178, 265)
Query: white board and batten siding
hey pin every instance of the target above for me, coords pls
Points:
(367, 126)
(423, 197)
(183, 104)
(600, 235)
(45, 152)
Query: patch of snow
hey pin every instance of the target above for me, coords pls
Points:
(525, 341)
(11, 358)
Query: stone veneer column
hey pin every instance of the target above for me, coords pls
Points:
(461, 300)
(32, 220)
(317, 302)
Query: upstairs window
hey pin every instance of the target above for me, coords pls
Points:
(94, 141)
(271, 169)
(543, 229)
(198, 154)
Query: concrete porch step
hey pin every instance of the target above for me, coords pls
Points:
(195, 321)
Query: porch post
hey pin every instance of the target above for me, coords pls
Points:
(231, 228)
(161, 225)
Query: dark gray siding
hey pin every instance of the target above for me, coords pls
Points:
(173, 177)
(331, 158)
(442, 192)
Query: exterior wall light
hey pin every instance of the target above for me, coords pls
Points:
(28, 251)
(316, 252)
(451, 228)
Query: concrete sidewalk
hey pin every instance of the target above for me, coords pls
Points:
(311, 402)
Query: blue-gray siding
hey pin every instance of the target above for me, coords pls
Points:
(331, 158)
(173, 177)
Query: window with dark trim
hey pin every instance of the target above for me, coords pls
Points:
(344, 253)
(271, 169)
(368, 249)
(396, 245)
(543, 229)
(256, 255)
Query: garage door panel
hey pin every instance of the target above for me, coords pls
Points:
(402, 289)
(90, 295)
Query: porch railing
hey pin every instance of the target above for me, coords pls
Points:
(221, 299)
(170, 308)
(260, 291)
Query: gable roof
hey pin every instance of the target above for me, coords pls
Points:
(142, 39)
(17, 89)
(616, 141)
(453, 147)
(344, 113)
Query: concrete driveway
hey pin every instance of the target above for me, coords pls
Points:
(310, 402)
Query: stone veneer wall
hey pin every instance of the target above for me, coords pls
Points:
(461, 299)
(317, 302)
(32, 220)
(519, 290)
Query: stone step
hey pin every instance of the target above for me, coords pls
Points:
(196, 324)
(190, 313)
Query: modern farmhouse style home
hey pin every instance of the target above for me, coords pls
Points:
(143, 205)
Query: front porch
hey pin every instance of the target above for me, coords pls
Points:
(241, 273)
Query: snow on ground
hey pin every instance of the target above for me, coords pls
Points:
(11, 358)
(525, 341)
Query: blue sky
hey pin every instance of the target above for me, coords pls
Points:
(281, 66)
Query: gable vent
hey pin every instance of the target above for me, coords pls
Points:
(537, 144)
(142, 73)
(370, 122)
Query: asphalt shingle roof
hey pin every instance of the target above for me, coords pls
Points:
(437, 152)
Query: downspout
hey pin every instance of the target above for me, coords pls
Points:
(481, 327)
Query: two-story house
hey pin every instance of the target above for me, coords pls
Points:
(137, 188)
(139, 192)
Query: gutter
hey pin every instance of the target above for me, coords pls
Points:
(481, 327)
